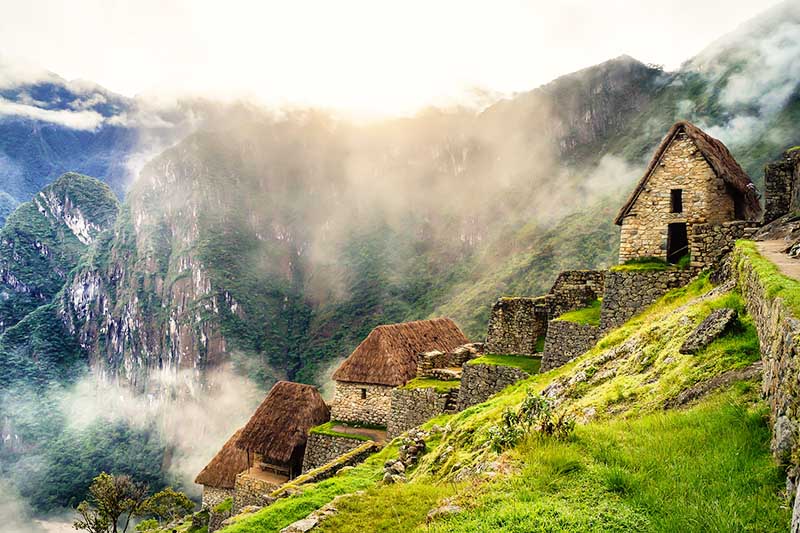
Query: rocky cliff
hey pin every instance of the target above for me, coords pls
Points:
(45, 238)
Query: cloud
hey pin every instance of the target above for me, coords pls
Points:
(14, 512)
(758, 68)
(77, 120)
(193, 420)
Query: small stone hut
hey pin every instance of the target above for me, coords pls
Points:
(386, 359)
(274, 438)
(692, 179)
(219, 476)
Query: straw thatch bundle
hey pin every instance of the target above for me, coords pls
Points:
(721, 161)
(281, 422)
(222, 470)
(388, 356)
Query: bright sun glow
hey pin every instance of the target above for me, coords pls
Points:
(366, 57)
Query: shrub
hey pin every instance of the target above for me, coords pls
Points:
(535, 415)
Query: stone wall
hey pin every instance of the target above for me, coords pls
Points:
(779, 338)
(480, 381)
(430, 361)
(573, 289)
(705, 201)
(516, 324)
(361, 403)
(781, 193)
(631, 292)
(322, 449)
(709, 243)
(351, 458)
(411, 408)
(251, 491)
(565, 341)
(215, 520)
(213, 496)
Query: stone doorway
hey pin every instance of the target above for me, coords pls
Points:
(677, 242)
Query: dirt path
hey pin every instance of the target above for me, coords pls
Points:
(773, 250)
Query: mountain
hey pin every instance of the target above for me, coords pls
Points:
(273, 242)
(44, 239)
(279, 241)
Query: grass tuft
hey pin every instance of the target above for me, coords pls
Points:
(589, 315)
(327, 429)
(526, 363)
(438, 385)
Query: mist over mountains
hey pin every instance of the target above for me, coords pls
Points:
(264, 244)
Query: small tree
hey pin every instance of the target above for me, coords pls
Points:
(111, 498)
(168, 505)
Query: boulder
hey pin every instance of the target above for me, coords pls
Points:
(709, 329)
(301, 526)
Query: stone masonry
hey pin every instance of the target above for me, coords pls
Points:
(779, 338)
(567, 340)
(213, 496)
(411, 408)
(781, 191)
(631, 292)
(516, 324)
(429, 362)
(705, 201)
(251, 491)
(362, 403)
(479, 382)
(322, 449)
(573, 289)
(709, 243)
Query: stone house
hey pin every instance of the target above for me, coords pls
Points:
(218, 478)
(692, 180)
(274, 439)
(386, 359)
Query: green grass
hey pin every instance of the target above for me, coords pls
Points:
(634, 467)
(386, 508)
(327, 429)
(429, 383)
(527, 363)
(642, 263)
(705, 469)
(311, 497)
(589, 315)
(539, 347)
(224, 506)
(776, 284)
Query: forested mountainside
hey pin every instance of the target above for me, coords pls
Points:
(276, 241)
(44, 240)
(279, 241)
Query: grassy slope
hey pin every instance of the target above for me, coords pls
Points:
(633, 467)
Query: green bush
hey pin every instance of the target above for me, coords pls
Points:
(535, 414)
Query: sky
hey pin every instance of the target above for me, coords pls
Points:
(370, 57)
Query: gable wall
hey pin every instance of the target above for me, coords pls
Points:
(705, 201)
(348, 406)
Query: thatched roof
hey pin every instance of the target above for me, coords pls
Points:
(221, 471)
(281, 422)
(718, 157)
(388, 356)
